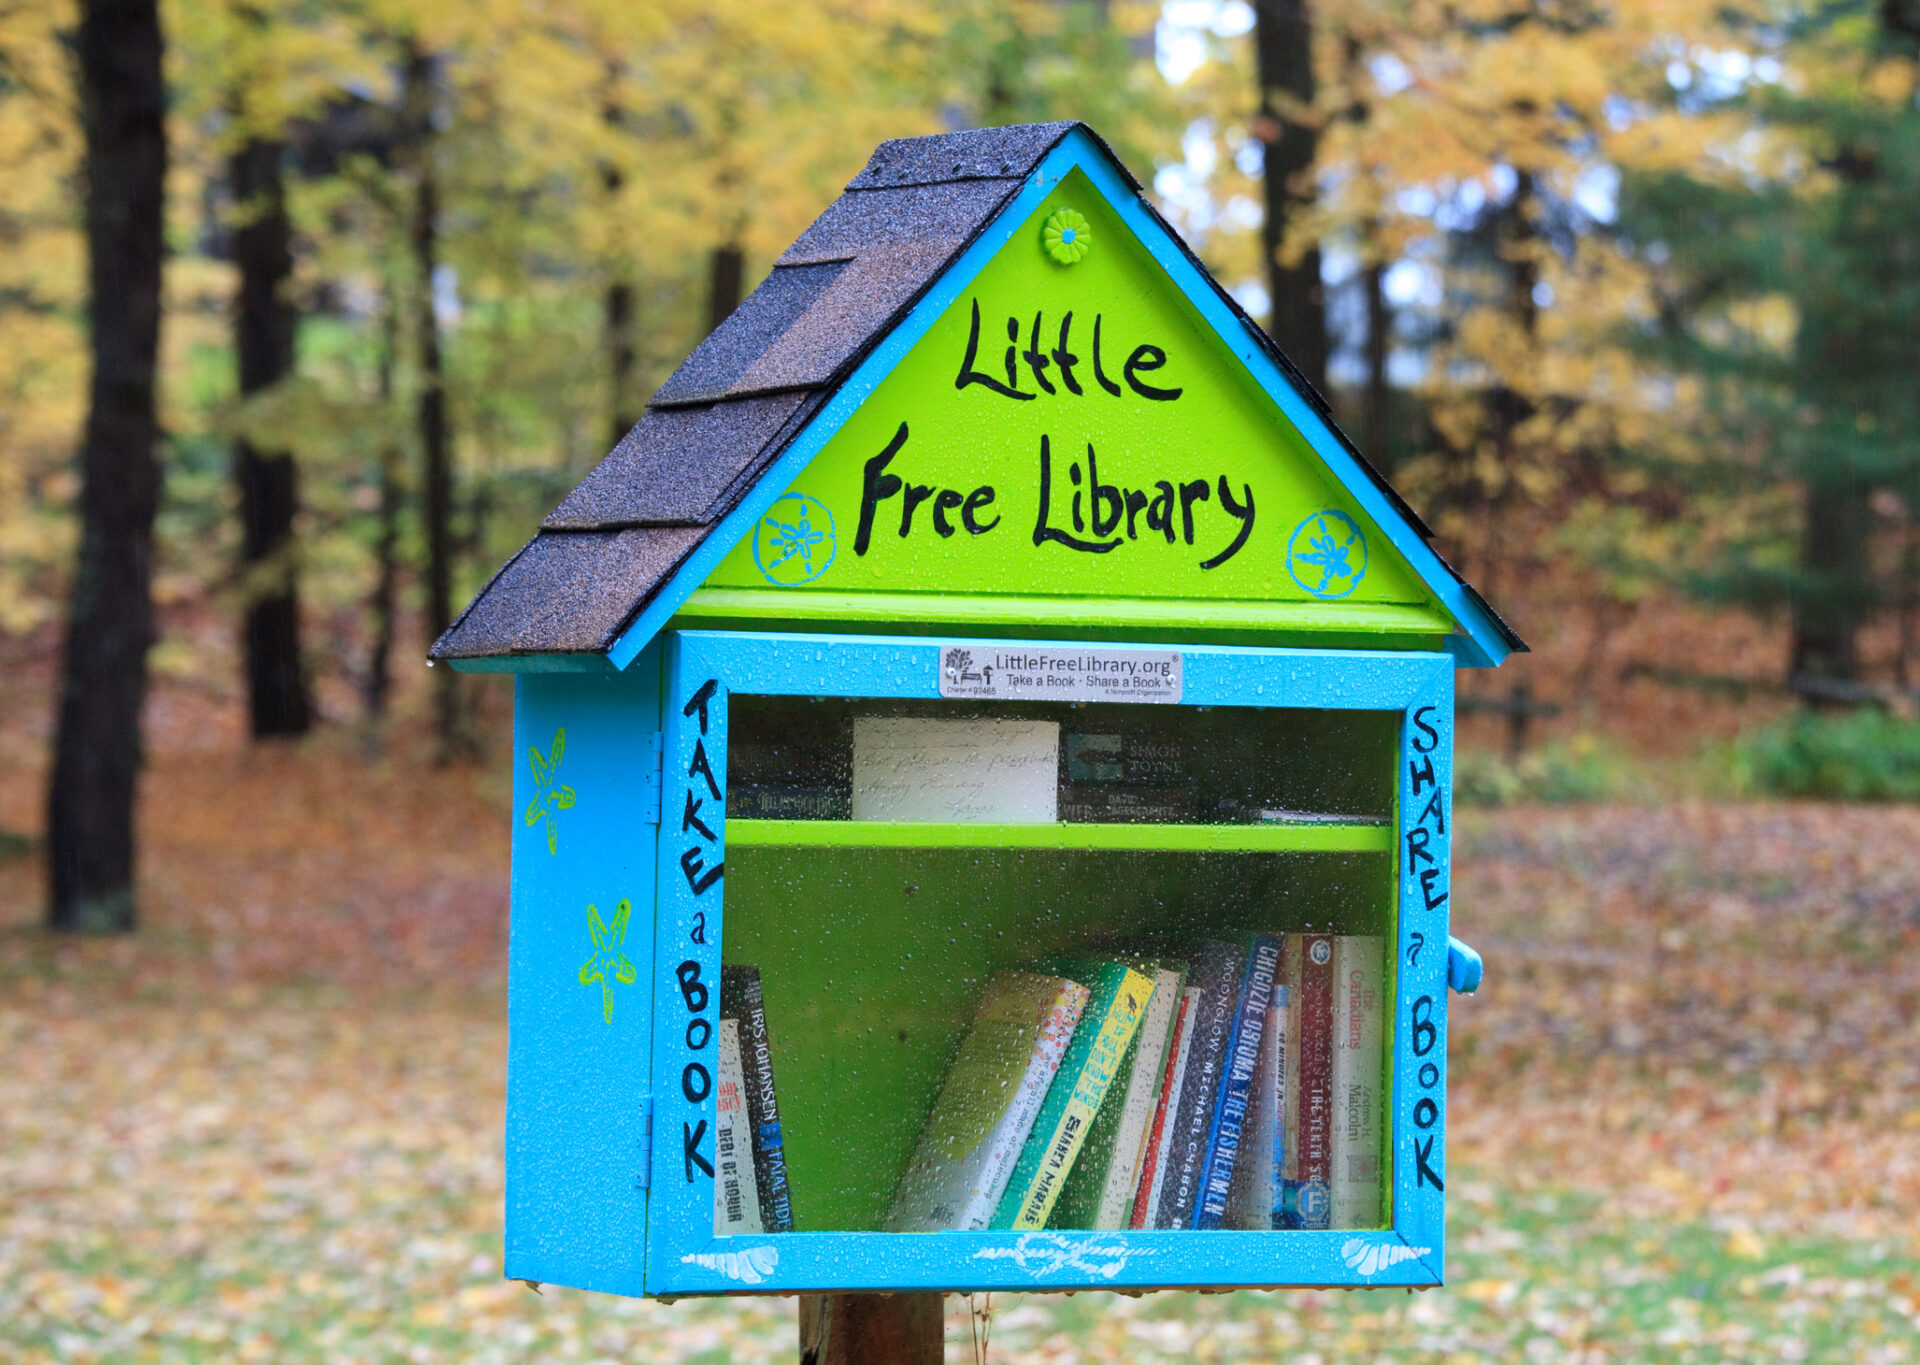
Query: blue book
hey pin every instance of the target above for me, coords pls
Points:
(1230, 1106)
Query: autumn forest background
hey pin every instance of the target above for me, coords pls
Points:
(309, 312)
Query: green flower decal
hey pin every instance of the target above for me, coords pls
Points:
(548, 797)
(1067, 237)
(607, 957)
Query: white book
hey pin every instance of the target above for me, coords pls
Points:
(1136, 1113)
(1254, 1196)
(988, 1104)
(1192, 995)
(1359, 1099)
(736, 1194)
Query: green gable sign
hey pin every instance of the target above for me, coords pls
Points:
(1071, 440)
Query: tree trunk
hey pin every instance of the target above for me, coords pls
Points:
(1283, 38)
(277, 698)
(620, 357)
(1377, 411)
(90, 799)
(431, 403)
(1827, 617)
(619, 301)
(729, 277)
(872, 1329)
(378, 684)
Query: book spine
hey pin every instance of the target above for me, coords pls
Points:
(1136, 1114)
(1358, 999)
(1086, 1074)
(763, 1105)
(1255, 1172)
(1218, 971)
(1236, 1084)
(736, 1197)
(1284, 1063)
(1153, 1168)
(1016, 1129)
(1308, 1195)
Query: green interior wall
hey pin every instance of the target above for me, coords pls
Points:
(872, 961)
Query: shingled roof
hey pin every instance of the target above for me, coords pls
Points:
(747, 391)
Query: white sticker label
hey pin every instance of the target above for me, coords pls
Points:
(1016, 673)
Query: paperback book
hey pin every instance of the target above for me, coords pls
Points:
(736, 1197)
(1254, 1202)
(1099, 1192)
(1217, 971)
(988, 1103)
(1306, 1193)
(1236, 1083)
(1153, 1166)
(741, 1000)
(1118, 998)
(1359, 1119)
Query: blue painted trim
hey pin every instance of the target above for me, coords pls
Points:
(683, 1256)
(534, 663)
(1483, 645)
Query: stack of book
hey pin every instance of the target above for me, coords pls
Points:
(1241, 1090)
(750, 1191)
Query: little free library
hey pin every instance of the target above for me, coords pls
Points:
(985, 778)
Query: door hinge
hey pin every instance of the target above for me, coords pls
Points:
(645, 1179)
(651, 763)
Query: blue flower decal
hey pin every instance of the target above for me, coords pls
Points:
(1327, 555)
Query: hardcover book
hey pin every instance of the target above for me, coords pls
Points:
(1119, 996)
(1307, 1193)
(988, 1103)
(1217, 970)
(740, 998)
(1099, 1192)
(1359, 994)
(1236, 1083)
(1153, 1166)
(736, 1198)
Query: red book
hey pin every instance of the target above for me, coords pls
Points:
(1307, 1196)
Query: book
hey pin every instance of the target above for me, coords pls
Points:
(1217, 970)
(1236, 1081)
(1254, 1202)
(988, 1103)
(1099, 1191)
(1306, 1193)
(1130, 758)
(736, 1197)
(1118, 998)
(741, 999)
(1153, 1165)
(1359, 995)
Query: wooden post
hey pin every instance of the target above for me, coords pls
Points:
(872, 1329)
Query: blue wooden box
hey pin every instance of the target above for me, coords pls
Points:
(841, 491)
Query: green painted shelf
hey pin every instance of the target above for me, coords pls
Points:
(1301, 838)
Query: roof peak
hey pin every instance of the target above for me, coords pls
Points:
(1011, 152)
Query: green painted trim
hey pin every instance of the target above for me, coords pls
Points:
(731, 604)
(534, 663)
(1155, 838)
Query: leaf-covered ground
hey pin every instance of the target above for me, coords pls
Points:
(1685, 1114)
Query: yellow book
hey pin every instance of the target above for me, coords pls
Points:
(1118, 1000)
